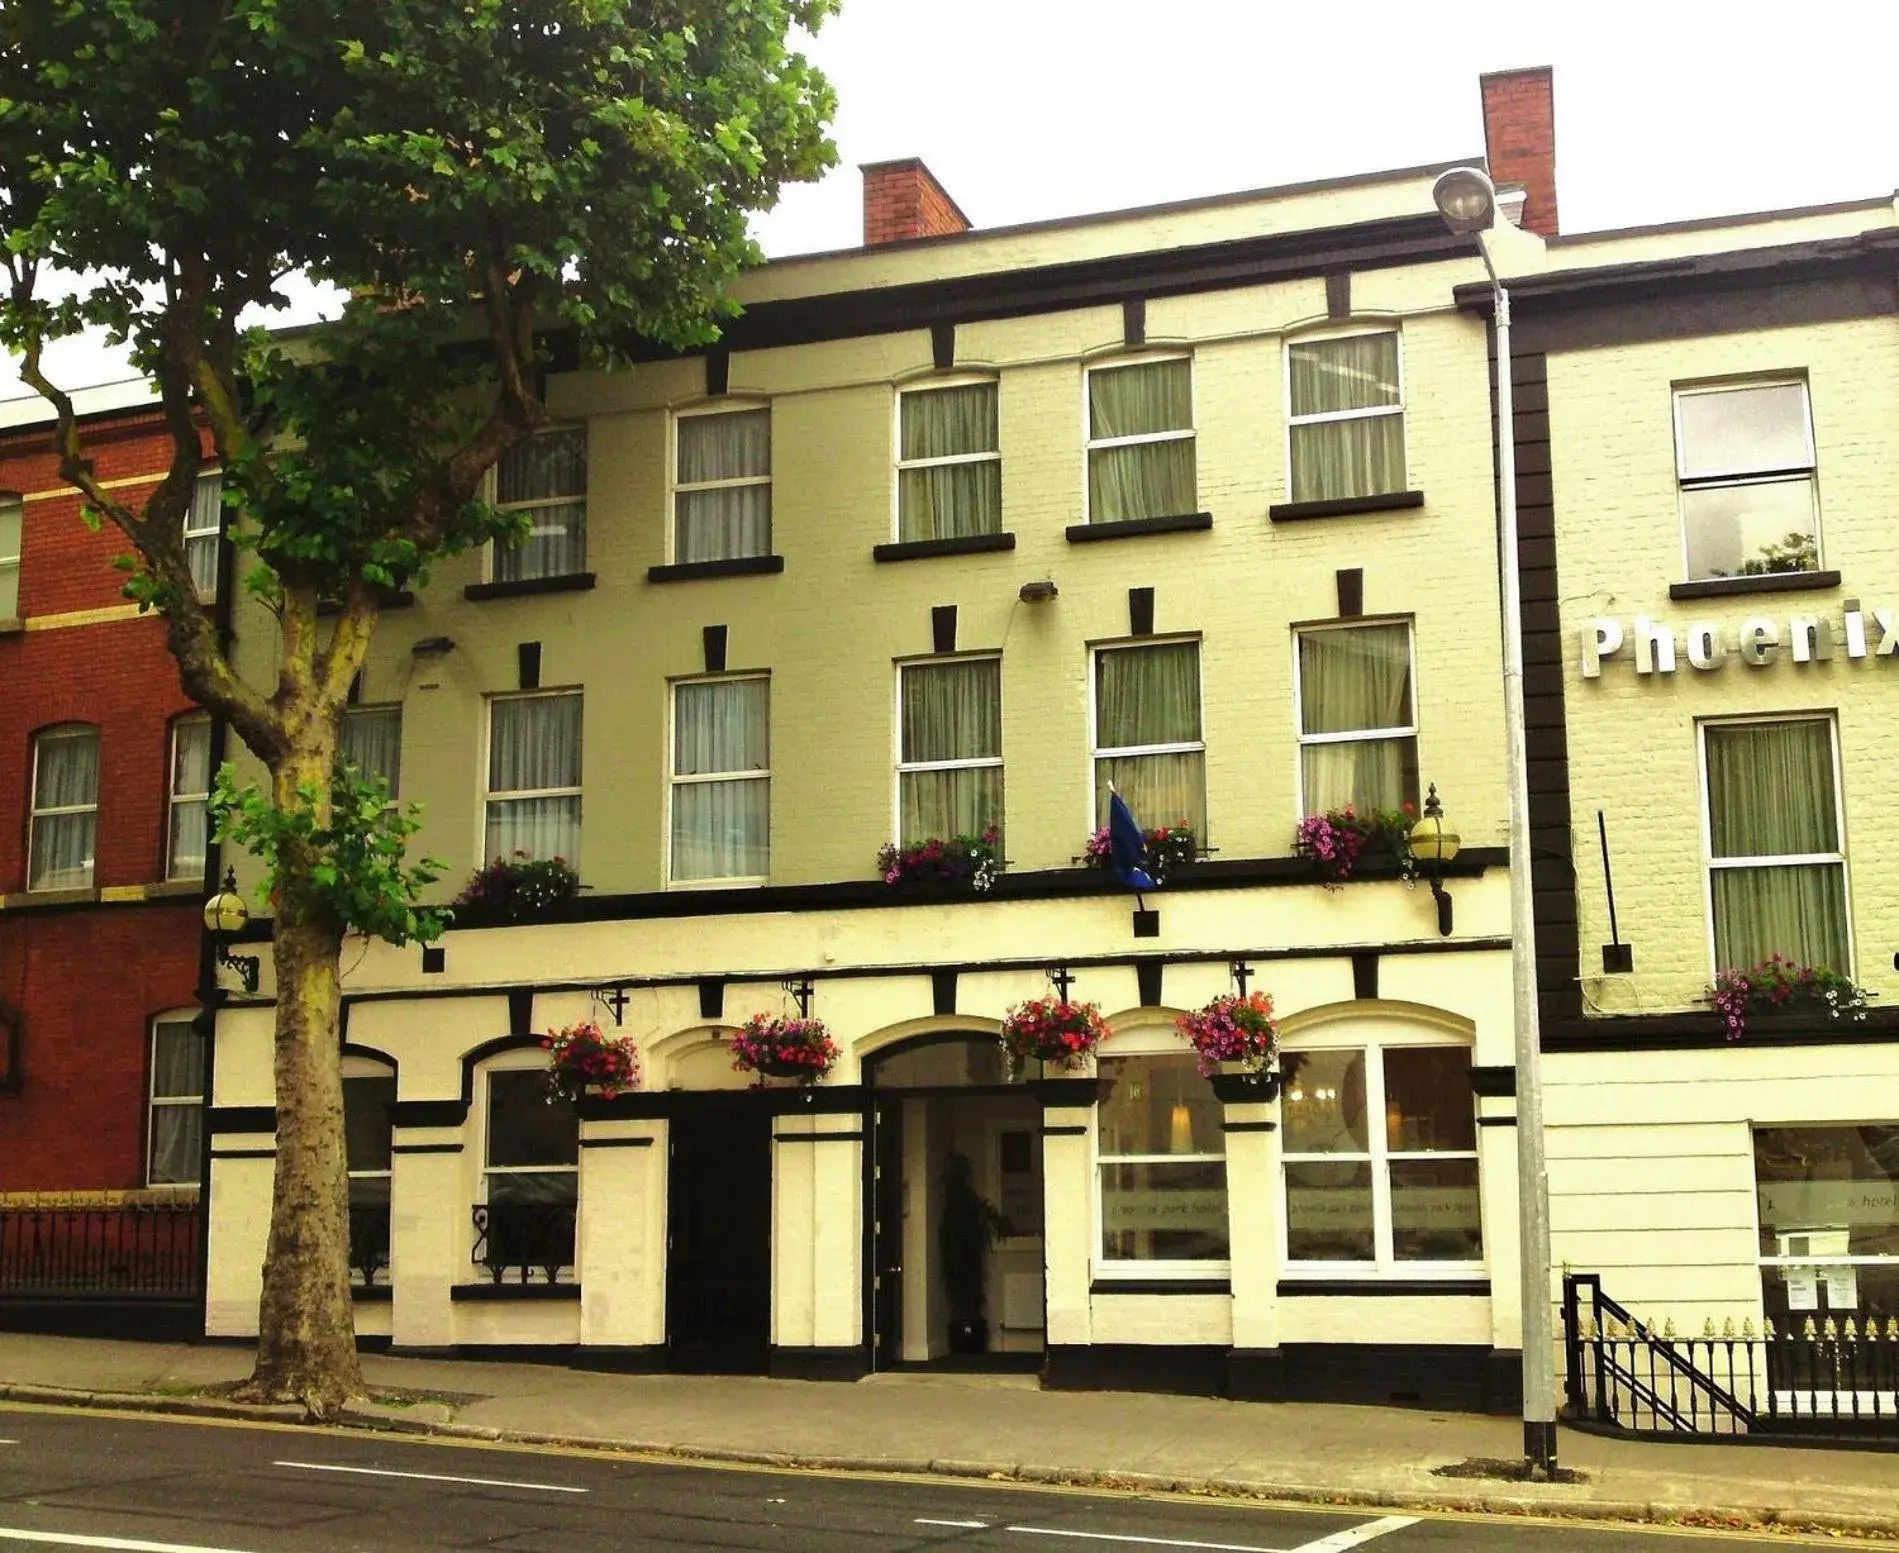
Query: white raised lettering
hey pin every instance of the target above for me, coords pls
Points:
(1811, 639)
(1759, 637)
(1602, 640)
(1706, 650)
(1888, 636)
(1654, 647)
(1855, 624)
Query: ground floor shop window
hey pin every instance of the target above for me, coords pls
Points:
(530, 1184)
(1162, 1158)
(1829, 1222)
(1380, 1145)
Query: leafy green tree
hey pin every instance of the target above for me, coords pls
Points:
(500, 187)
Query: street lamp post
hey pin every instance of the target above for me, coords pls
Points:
(1467, 200)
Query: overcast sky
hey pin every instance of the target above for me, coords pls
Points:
(1034, 108)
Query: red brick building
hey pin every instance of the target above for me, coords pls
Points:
(103, 852)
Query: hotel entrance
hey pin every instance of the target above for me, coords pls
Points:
(956, 1204)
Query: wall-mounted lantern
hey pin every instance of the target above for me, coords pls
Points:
(225, 916)
(1433, 844)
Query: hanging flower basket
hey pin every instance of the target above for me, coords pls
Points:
(1335, 842)
(584, 1061)
(1233, 1034)
(1780, 985)
(774, 1047)
(975, 860)
(1168, 847)
(1054, 1032)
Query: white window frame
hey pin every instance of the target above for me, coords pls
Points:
(355, 1067)
(215, 532)
(1685, 482)
(524, 1060)
(489, 795)
(10, 563)
(1328, 336)
(899, 463)
(674, 486)
(1098, 753)
(1821, 1263)
(383, 709)
(177, 800)
(491, 493)
(35, 813)
(1124, 1270)
(1385, 1263)
(1358, 736)
(1709, 862)
(908, 768)
(1089, 442)
(674, 781)
(154, 1100)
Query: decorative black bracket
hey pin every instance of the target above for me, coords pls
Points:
(1061, 980)
(1443, 898)
(801, 990)
(613, 998)
(1242, 974)
(247, 966)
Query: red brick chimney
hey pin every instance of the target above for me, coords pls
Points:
(1520, 139)
(902, 200)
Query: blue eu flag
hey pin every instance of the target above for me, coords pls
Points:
(1126, 846)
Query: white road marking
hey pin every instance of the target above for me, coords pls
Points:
(1352, 1536)
(66, 1539)
(9, 1442)
(430, 1477)
(967, 1525)
(1146, 1542)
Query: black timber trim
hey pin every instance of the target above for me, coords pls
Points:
(434, 960)
(425, 1148)
(712, 644)
(1148, 975)
(429, 1113)
(818, 1137)
(476, 1056)
(1365, 974)
(735, 566)
(616, 1143)
(1064, 1132)
(241, 1118)
(1134, 322)
(521, 1011)
(1136, 528)
(711, 998)
(943, 628)
(620, 1358)
(1498, 1079)
(923, 549)
(1338, 294)
(718, 372)
(573, 582)
(527, 657)
(1186, 1369)
(943, 345)
(942, 992)
(1704, 1031)
(1140, 611)
(270, 1153)
(1250, 1126)
(1349, 583)
(1383, 1288)
(1779, 582)
(1344, 506)
(371, 1293)
(1496, 1121)
(506, 1293)
(1161, 1286)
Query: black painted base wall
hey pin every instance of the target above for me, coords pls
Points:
(1197, 1370)
(67, 1315)
(1463, 1378)
(819, 1363)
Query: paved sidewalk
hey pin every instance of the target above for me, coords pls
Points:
(1001, 1424)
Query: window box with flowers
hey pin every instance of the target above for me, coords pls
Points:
(776, 1047)
(1779, 985)
(1236, 1043)
(518, 888)
(1341, 842)
(1168, 847)
(1060, 1035)
(581, 1060)
(974, 860)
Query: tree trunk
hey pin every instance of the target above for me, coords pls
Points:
(306, 1342)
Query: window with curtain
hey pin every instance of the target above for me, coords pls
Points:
(190, 791)
(1380, 1157)
(371, 743)
(12, 528)
(530, 1173)
(1141, 441)
(204, 524)
(65, 808)
(949, 763)
(1776, 869)
(721, 820)
(369, 1090)
(1829, 1222)
(1358, 734)
(949, 462)
(544, 477)
(1162, 1159)
(1148, 738)
(534, 776)
(1749, 500)
(722, 486)
(177, 1110)
(1346, 431)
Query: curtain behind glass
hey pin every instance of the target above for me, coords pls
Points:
(951, 711)
(67, 775)
(1351, 681)
(1333, 375)
(1159, 789)
(534, 743)
(1770, 793)
(190, 781)
(202, 528)
(1147, 695)
(733, 521)
(948, 501)
(722, 830)
(552, 464)
(1332, 460)
(959, 802)
(372, 743)
(177, 1073)
(1141, 480)
(556, 545)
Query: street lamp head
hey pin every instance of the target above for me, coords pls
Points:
(1466, 199)
(1432, 841)
(225, 913)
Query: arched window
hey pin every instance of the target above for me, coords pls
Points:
(530, 1180)
(1162, 1158)
(65, 808)
(369, 1090)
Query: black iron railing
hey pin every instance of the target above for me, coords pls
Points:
(133, 1248)
(525, 1239)
(368, 1242)
(1834, 1376)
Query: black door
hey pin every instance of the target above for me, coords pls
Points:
(887, 1234)
(718, 1261)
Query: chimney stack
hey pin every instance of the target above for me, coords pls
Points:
(903, 200)
(1520, 139)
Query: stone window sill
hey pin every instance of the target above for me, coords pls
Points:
(573, 582)
(1135, 528)
(737, 566)
(22, 898)
(962, 544)
(1779, 582)
(11, 625)
(1345, 506)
